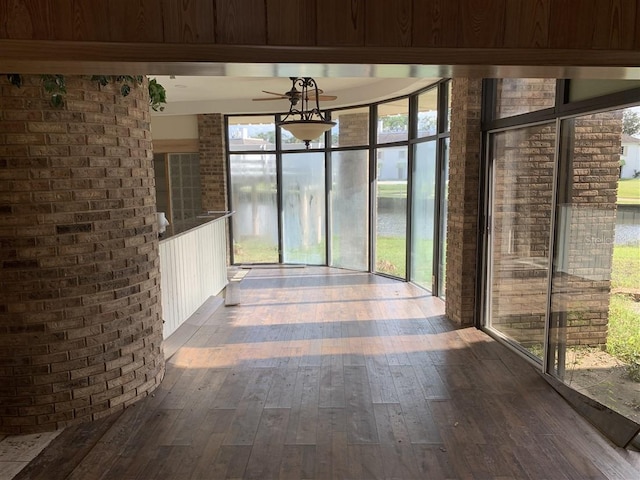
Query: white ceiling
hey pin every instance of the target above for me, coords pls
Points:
(233, 94)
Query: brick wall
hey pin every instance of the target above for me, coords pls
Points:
(462, 224)
(80, 320)
(521, 216)
(213, 166)
(524, 164)
(583, 292)
(515, 96)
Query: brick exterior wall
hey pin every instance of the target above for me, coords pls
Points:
(515, 96)
(521, 217)
(462, 225)
(524, 164)
(583, 292)
(213, 166)
(353, 129)
(80, 320)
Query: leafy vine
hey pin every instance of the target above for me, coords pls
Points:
(56, 86)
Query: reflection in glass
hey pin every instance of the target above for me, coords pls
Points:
(515, 96)
(349, 209)
(428, 113)
(391, 201)
(393, 121)
(303, 208)
(253, 197)
(444, 200)
(252, 133)
(594, 339)
(351, 129)
(423, 214)
(522, 185)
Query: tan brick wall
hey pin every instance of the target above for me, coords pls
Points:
(522, 210)
(591, 229)
(80, 320)
(521, 95)
(462, 223)
(522, 224)
(213, 166)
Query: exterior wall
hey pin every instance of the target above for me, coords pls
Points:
(523, 185)
(80, 319)
(462, 226)
(213, 166)
(591, 228)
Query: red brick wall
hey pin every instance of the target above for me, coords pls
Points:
(80, 320)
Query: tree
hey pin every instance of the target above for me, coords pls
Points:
(630, 122)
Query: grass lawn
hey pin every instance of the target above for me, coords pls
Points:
(623, 340)
(390, 256)
(629, 191)
(393, 190)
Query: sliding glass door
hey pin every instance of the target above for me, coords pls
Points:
(522, 173)
(594, 336)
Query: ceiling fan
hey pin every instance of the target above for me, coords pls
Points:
(294, 95)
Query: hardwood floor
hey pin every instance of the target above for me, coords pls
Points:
(320, 374)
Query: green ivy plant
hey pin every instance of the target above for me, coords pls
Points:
(56, 86)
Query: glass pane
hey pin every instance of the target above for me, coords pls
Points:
(253, 198)
(590, 88)
(428, 113)
(448, 126)
(352, 127)
(252, 133)
(391, 201)
(522, 184)
(515, 96)
(444, 200)
(186, 196)
(595, 312)
(350, 210)
(423, 213)
(162, 187)
(304, 206)
(393, 121)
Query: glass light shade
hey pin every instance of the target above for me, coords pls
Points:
(307, 130)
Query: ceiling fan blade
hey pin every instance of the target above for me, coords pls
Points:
(282, 95)
(324, 98)
(264, 99)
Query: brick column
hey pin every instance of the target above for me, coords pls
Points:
(80, 321)
(462, 225)
(213, 167)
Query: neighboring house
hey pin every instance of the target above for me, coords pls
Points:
(630, 153)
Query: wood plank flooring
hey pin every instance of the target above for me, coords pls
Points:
(327, 374)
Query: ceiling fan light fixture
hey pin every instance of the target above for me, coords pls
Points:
(307, 130)
(305, 123)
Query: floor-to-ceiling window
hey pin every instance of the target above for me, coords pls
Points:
(253, 189)
(392, 177)
(349, 194)
(303, 208)
(563, 238)
(346, 201)
(522, 164)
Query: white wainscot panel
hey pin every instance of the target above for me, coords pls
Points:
(192, 269)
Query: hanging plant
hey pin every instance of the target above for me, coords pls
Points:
(56, 86)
